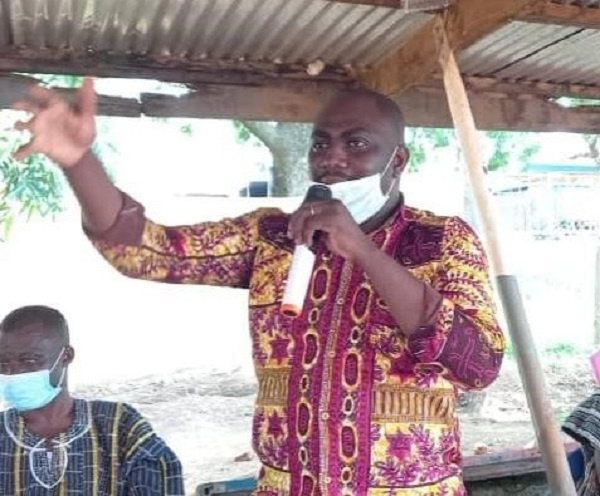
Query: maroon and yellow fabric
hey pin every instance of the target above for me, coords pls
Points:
(346, 405)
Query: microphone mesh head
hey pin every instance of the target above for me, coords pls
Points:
(318, 192)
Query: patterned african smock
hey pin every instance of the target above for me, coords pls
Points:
(109, 450)
(346, 404)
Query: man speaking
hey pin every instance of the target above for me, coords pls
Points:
(357, 394)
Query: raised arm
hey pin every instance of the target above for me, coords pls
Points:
(218, 253)
(65, 132)
(215, 253)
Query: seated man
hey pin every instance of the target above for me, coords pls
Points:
(52, 443)
(583, 425)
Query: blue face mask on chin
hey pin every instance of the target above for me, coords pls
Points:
(31, 390)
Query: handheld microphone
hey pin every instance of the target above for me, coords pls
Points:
(302, 263)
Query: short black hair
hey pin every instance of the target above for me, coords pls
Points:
(388, 107)
(50, 318)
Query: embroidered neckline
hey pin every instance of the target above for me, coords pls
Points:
(82, 423)
(48, 471)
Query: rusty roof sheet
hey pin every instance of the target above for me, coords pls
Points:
(536, 52)
(281, 31)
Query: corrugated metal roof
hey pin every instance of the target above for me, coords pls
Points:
(595, 4)
(536, 52)
(241, 33)
(286, 31)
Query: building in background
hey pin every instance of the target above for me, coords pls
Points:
(550, 201)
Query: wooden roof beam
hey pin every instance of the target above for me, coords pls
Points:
(115, 65)
(564, 15)
(393, 4)
(14, 87)
(491, 85)
(401, 4)
(282, 103)
(466, 22)
(277, 101)
(428, 107)
(422, 106)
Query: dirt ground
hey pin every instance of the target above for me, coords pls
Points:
(206, 417)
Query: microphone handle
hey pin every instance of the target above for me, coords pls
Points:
(298, 281)
(303, 261)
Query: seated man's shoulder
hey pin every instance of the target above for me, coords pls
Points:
(135, 437)
(8, 428)
(2, 421)
(109, 412)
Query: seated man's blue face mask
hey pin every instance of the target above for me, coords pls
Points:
(31, 390)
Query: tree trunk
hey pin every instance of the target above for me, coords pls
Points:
(288, 143)
(290, 165)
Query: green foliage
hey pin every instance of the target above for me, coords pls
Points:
(509, 351)
(59, 81)
(422, 141)
(577, 102)
(558, 349)
(592, 143)
(564, 349)
(186, 129)
(591, 140)
(28, 188)
(32, 187)
(244, 135)
(509, 147)
(501, 154)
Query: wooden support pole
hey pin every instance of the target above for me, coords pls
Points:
(545, 424)
(597, 299)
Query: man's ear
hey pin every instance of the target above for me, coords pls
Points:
(68, 355)
(401, 159)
